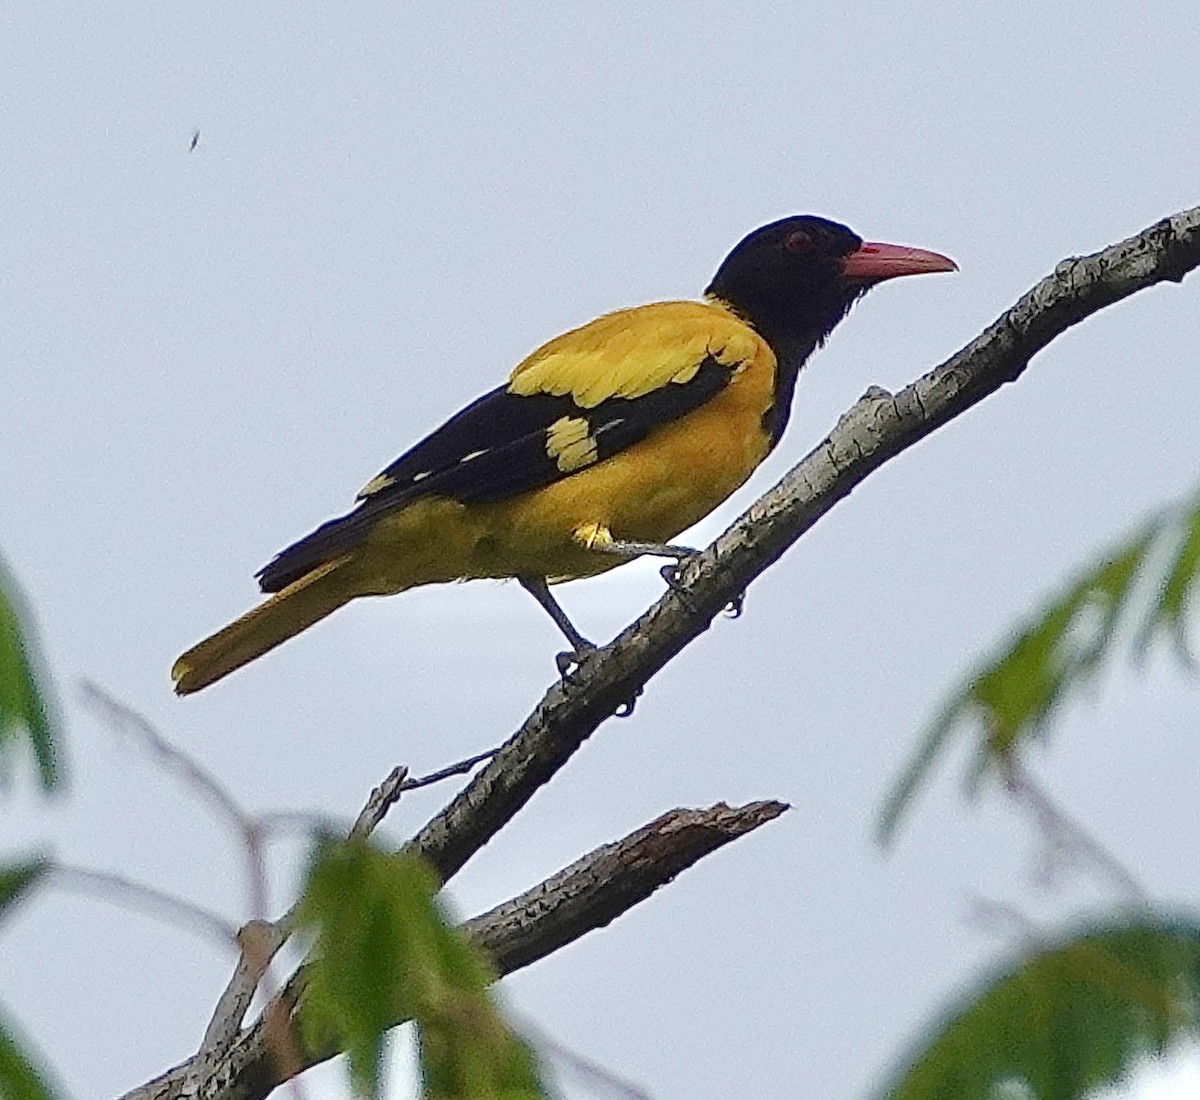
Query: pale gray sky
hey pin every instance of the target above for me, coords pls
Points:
(207, 353)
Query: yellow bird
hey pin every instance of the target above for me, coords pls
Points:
(603, 445)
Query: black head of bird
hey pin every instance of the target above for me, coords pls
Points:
(795, 279)
(603, 445)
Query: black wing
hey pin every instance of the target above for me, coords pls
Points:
(498, 446)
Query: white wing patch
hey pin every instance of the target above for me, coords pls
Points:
(570, 443)
(386, 481)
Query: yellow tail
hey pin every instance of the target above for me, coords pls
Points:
(291, 610)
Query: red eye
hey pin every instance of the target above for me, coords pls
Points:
(799, 241)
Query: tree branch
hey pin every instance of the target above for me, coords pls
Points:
(587, 895)
(602, 885)
(876, 428)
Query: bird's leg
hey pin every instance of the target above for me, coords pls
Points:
(540, 591)
(629, 550)
(596, 537)
(599, 538)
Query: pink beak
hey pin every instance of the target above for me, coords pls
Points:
(874, 262)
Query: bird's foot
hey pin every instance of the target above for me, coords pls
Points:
(672, 573)
(569, 661)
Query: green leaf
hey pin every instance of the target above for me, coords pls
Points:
(384, 953)
(17, 879)
(1064, 1020)
(25, 703)
(1168, 615)
(19, 1078)
(1126, 598)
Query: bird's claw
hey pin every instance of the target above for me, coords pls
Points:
(671, 573)
(567, 663)
(570, 661)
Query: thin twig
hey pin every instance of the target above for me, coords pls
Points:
(461, 768)
(197, 778)
(586, 1069)
(1003, 917)
(275, 824)
(168, 757)
(1065, 834)
(258, 942)
(381, 799)
(131, 894)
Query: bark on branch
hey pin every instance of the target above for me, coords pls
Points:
(587, 895)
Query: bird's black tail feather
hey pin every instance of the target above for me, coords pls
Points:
(331, 540)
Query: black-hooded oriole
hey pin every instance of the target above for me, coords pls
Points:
(603, 445)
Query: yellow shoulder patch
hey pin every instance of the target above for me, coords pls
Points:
(635, 351)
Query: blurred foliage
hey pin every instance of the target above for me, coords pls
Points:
(384, 953)
(25, 706)
(16, 879)
(1066, 1019)
(1137, 593)
(25, 713)
(19, 1078)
